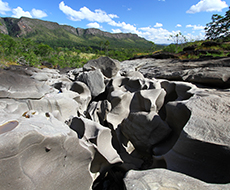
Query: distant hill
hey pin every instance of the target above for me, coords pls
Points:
(56, 35)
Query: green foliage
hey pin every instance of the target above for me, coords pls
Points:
(179, 42)
(219, 27)
(26, 51)
(178, 38)
(225, 46)
(56, 35)
(43, 50)
(173, 48)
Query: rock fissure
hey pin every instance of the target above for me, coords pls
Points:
(138, 124)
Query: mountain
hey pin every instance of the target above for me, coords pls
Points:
(56, 35)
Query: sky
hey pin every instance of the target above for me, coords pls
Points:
(154, 20)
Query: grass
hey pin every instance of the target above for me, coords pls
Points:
(4, 63)
(222, 50)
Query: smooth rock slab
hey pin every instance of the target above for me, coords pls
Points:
(203, 147)
(161, 179)
(213, 72)
(13, 84)
(41, 152)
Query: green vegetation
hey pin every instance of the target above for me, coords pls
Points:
(56, 35)
(35, 42)
(216, 44)
(202, 50)
(178, 45)
(40, 43)
(219, 27)
(27, 52)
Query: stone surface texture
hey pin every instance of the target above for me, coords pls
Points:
(137, 124)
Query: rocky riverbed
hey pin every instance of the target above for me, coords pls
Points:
(138, 124)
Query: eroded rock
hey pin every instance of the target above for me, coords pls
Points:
(202, 150)
(40, 152)
(94, 80)
(123, 120)
(109, 67)
(166, 179)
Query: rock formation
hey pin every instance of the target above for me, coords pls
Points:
(138, 124)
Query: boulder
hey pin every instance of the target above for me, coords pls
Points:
(144, 130)
(40, 152)
(94, 80)
(109, 67)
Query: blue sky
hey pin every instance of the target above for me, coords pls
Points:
(154, 20)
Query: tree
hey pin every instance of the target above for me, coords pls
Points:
(101, 44)
(153, 45)
(43, 50)
(107, 46)
(219, 27)
(178, 38)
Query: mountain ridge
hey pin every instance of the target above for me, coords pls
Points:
(52, 32)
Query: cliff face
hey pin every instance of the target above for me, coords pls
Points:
(97, 32)
(25, 26)
(53, 34)
(3, 27)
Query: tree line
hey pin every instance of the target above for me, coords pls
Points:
(26, 51)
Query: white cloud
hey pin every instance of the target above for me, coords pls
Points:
(195, 27)
(192, 37)
(128, 28)
(161, 36)
(157, 35)
(18, 12)
(4, 7)
(38, 13)
(124, 27)
(97, 16)
(85, 13)
(116, 31)
(113, 16)
(178, 25)
(93, 25)
(158, 25)
(208, 6)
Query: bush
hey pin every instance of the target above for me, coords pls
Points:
(173, 48)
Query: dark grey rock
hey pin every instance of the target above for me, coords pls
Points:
(109, 67)
(214, 72)
(94, 80)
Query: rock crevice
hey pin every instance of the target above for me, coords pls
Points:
(115, 125)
